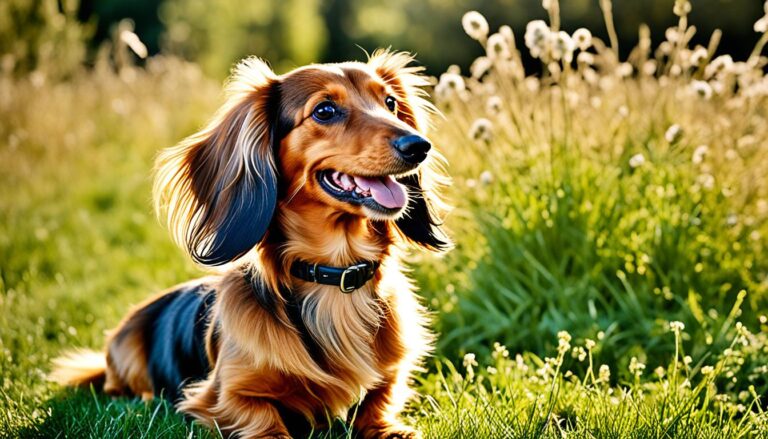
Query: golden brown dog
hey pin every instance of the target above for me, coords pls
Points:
(308, 185)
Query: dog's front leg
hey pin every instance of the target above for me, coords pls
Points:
(377, 414)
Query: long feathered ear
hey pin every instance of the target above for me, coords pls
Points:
(218, 187)
(421, 223)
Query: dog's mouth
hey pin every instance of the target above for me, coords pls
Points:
(384, 193)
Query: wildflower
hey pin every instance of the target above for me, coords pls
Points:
(509, 36)
(699, 154)
(134, 43)
(702, 89)
(604, 373)
(721, 63)
(761, 25)
(687, 360)
(649, 67)
(763, 319)
(698, 56)
(636, 161)
(480, 66)
(499, 351)
(673, 133)
(475, 25)
(682, 8)
(583, 38)
(624, 70)
(486, 178)
(707, 370)
(660, 371)
(562, 46)
(563, 342)
(589, 343)
(585, 58)
(491, 370)
(481, 129)
(450, 84)
(579, 352)
(636, 368)
(676, 326)
(707, 181)
(493, 105)
(470, 360)
(536, 37)
(497, 47)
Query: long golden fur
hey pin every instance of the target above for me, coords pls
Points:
(244, 192)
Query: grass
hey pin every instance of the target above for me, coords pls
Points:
(585, 203)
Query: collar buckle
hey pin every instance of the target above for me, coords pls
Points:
(353, 278)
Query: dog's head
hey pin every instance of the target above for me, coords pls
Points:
(349, 136)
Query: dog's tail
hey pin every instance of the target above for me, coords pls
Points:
(80, 367)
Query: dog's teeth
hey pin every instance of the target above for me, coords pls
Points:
(346, 182)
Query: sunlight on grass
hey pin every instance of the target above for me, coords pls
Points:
(613, 213)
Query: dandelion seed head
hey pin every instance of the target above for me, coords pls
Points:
(682, 8)
(702, 89)
(676, 326)
(761, 25)
(674, 133)
(636, 161)
(480, 66)
(497, 48)
(582, 37)
(481, 129)
(475, 25)
(493, 105)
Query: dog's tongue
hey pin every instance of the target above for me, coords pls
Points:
(384, 190)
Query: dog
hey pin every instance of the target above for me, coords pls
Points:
(307, 187)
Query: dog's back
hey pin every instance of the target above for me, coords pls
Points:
(157, 348)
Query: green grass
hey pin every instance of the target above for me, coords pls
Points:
(557, 228)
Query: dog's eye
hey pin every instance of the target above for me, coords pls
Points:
(325, 111)
(391, 103)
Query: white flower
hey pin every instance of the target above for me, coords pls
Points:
(475, 25)
(536, 37)
(562, 46)
(624, 70)
(486, 177)
(470, 360)
(583, 38)
(585, 58)
(604, 373)
(698, 55)
(450, 84)
(497, 47)
(761, 25)
(481, 129)
(707, 370)
(674, 133)
(660, 371)
(494, 105)
(480, 66)
(702, 89)
(499, 351)
(676, 326)
(636, 161)
(699, 154)
(589, 343)
(682, 8)
(635, 367)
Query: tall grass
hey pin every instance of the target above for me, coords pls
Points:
(586, 202)
(604, 197)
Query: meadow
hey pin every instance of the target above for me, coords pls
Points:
(610, 275)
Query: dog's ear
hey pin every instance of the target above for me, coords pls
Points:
(421, 222)
(219, 186)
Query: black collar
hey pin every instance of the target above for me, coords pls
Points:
(348, 279)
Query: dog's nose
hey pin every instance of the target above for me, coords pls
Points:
(412, 148)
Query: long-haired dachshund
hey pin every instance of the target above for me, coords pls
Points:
(312, 182)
